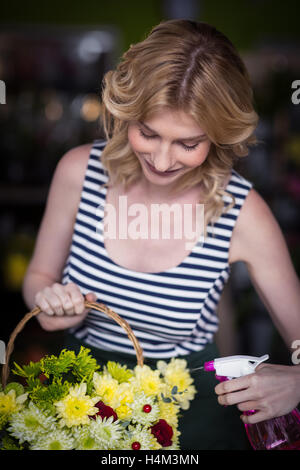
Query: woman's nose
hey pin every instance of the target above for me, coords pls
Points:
(162, 159)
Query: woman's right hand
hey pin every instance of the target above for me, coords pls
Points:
(62, 306)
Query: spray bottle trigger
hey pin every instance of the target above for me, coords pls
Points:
(259, 360)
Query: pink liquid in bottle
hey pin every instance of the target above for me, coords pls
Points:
(281, 433)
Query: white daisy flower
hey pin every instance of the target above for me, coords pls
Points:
(58, 439)
(106, 432)
(30, 423)
(144, 409)
(138, 438)
(83, 439)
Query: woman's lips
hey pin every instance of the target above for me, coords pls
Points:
(161, 173)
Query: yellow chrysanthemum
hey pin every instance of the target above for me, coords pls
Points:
(147, 380)
(10, 403)
(169, 412)
(75, 408)
(124, 397)
(177, 375)
(106, 387)
(123, 412)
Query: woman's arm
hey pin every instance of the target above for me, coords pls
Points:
(258, 242)
(55, 232)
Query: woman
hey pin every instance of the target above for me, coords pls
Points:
(178, 113)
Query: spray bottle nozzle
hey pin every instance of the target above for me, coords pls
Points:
(233, 366)
(209, 366)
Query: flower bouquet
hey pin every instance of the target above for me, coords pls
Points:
(68, 402)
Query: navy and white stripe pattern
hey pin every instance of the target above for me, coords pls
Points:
(172, 313)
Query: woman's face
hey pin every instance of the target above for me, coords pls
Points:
(168, 145)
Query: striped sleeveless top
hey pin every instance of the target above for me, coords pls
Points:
(172, 313)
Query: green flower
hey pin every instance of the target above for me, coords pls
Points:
(85, 365)
(118, 372)
(57, 366)
(30, 371)
(17, 387)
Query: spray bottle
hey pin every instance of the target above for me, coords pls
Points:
(282, 433)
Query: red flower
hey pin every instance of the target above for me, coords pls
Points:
(163, 433)
(104, 411)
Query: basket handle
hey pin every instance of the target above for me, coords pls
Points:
(91, 305)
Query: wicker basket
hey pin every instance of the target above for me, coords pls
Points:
(91, 305)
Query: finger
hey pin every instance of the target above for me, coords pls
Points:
(234, 398)
(254, 418)
(233, 385)
(41, 302)
(53, 300)
(65, 299)
(249, 406)
(76, 298)
(91, 297)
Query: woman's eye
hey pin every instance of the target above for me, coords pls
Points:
(146, 136)
(189, 147)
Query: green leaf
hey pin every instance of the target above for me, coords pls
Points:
(124, 424)
(174, 390)
(166, 399)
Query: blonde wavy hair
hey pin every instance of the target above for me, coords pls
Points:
(189, 66)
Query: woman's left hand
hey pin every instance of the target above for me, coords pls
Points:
(273, 390)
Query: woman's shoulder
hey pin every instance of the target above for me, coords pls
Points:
(254, 226)
(255, 210)
(72, 165)
(74, 161)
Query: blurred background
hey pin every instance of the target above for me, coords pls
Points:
(52, 59)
